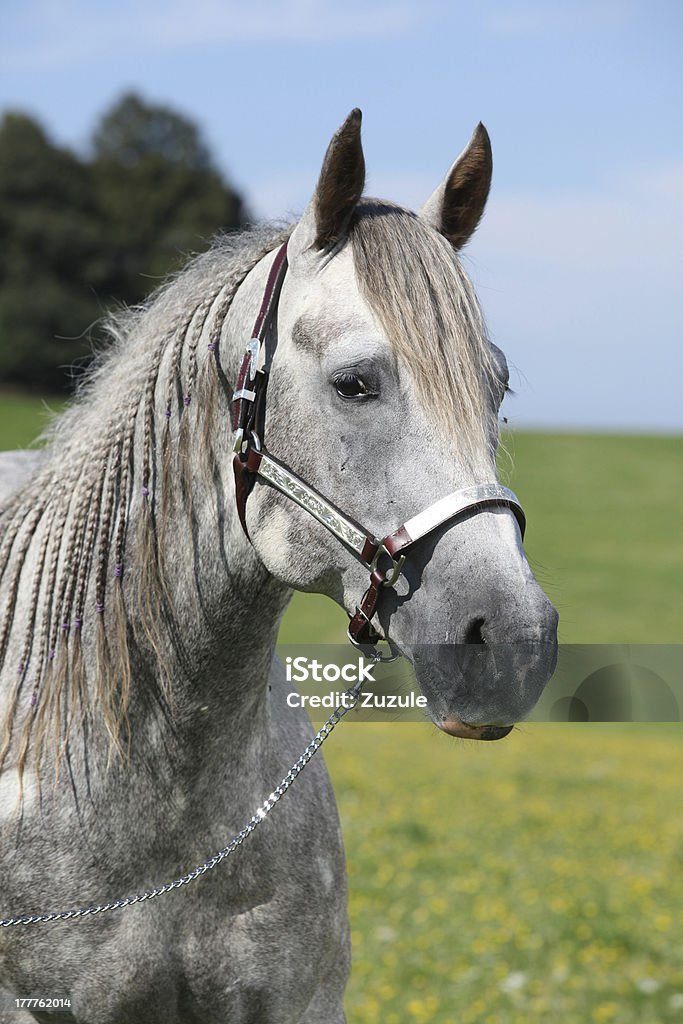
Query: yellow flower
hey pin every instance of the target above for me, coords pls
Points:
(605, 1012)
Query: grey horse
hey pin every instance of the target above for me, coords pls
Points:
(144, 715)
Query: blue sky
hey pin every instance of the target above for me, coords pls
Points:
(579, 260)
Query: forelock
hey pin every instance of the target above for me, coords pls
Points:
(415, 285)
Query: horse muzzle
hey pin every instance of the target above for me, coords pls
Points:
(480, 690)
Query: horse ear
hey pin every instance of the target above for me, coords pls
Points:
(339, 188)
(455, 208)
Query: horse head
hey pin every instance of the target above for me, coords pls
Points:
(383, 395)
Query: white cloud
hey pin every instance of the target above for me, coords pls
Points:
(532, 18)
(583, 292)
(293, 20)
(53, 34)
(631, 228)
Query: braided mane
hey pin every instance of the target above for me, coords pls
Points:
(107, 482)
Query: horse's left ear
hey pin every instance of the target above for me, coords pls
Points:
(455, 208)
(339, 188)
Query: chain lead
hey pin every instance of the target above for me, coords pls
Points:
(349, 701)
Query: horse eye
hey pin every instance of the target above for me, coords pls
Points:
(348, 385)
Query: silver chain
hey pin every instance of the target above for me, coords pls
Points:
(349, 701)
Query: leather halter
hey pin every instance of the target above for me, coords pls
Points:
(251, 460)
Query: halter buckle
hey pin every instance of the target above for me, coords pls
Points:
(396, 566)
(369, 650)
(253, 350)
(240, 441)
(244, 394)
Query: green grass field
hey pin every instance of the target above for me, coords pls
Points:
(536, 880)
(23, 417)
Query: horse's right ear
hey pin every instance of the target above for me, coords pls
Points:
(339, 188)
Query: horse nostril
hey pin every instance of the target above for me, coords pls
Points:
(474, 634)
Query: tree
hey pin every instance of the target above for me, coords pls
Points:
(50, 263)
(78, 234)
(158, 193)
(134, 131)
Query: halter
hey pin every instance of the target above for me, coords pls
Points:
(383, 558)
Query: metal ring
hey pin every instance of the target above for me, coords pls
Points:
(389, 580)
(371, 652)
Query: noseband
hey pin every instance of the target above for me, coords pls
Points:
(383, 558)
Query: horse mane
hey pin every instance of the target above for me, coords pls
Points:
(79, 503)
(109, 466)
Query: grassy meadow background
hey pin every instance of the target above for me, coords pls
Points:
(538, 879)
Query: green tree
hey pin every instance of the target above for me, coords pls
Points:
(134, 131)
(157, 191)
(80, 234)
(50, 262)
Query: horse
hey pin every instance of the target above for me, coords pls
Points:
(148, 553)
